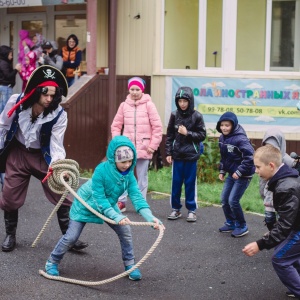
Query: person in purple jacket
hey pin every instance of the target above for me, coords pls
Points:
(236, 160)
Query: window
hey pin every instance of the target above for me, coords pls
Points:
(251, 35)
(181, 34)
(213, 53)
(71, 24)
(283, 34)
(233, 36)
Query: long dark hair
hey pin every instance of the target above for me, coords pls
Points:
(35, 97)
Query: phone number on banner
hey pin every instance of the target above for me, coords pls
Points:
(8, 3)
(283, 112)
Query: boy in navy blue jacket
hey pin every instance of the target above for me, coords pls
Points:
(284, 183)
(186, 129)
(236, 160)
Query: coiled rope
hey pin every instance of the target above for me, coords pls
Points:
(58, 184)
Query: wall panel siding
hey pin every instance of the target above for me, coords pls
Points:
(135, 37)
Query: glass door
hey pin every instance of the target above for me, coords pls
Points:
(34, 24)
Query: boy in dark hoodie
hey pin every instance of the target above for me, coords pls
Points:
(284, 182)
(186, 129)
(236, 160)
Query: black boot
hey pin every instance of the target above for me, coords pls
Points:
(63, 221)
(11, 222)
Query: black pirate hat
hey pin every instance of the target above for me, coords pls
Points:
(44, 75)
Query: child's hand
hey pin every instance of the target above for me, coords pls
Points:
(157, 223)
(182, 130)
(235, 176)
(18, 67)
(221, 177)
(251, 249)
(169, 159)
(150, 150)
(124, 221)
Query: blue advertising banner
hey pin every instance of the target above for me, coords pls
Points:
(258, 103)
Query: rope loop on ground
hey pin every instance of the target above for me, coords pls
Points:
(57, 183)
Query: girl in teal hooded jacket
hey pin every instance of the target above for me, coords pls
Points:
(110, 179)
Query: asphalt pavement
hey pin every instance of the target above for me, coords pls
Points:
(192, 261)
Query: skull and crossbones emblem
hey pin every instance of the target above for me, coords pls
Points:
(49, 74)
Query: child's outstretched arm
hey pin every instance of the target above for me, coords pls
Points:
(251, 249)
(147, 215)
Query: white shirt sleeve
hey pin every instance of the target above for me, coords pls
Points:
(57, 149)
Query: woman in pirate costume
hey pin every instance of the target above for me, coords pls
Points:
(32, 128)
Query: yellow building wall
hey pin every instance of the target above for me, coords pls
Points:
(102, 34)
(135, 37)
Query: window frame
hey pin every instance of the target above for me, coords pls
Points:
(229, 28)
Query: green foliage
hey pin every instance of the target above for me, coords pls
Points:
(86, 173)
(208, 164)
(160, 181)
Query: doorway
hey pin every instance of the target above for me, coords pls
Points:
(34, 24)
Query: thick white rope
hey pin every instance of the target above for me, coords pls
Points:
(59, 185)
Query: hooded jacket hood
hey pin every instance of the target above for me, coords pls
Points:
(32, 58)
(185, 93)
(228, 116)
(23, 34)
(4, 51)
(276, 138)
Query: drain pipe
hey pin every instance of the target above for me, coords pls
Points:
(112, 78)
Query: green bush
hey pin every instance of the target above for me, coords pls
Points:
(208, 164)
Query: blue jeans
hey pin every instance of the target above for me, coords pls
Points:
(75, 228)
(184, 171)
(2, 175)
(286, 262)
(5, 93)
(70, 80)
(232, 193)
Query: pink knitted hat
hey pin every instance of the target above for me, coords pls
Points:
(137, 81)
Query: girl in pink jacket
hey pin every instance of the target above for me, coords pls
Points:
(138, 119)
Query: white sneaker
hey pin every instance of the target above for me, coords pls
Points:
(175, 214)
(191, 217)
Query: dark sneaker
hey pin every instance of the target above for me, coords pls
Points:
(227, 227)
(175, 214)
(240, 231)
(290, 294)
(191, 217)
(135, 274)
(122, 206)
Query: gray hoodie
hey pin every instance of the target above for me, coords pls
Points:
(275, 138)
